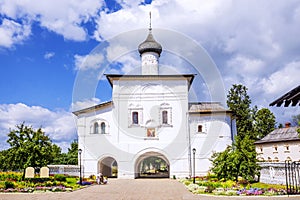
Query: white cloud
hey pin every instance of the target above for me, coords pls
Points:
(12, 32)
(283, 80)
(63, 17)
(78, 105)
(86, 62)
(48, 55)
(59, 125)
(249, 40)
(115, 51)
(246, 65)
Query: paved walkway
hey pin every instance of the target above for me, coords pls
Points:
(143, 189)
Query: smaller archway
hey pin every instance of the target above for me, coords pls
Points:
(108, 166)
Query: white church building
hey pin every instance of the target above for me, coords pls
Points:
(150, 128)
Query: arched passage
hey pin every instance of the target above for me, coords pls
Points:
(152, 165)
(108, 166)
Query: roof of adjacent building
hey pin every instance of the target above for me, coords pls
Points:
(280, 135)
(292, 96)
(207, 107)
(92, 108)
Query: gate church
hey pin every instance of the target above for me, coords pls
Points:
(150, 128)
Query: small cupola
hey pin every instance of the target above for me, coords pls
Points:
(150, 51)
(150, 45)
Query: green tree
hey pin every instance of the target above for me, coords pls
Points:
(73, 153)
(239, 102)
(29, 147)
(264, 122)
(222, 164)
(240, 158)
(245, 161)
(69, 158)
(296, 120)
(237, 160)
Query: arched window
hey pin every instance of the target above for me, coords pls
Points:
(288, 159)
(287, 148)
(135, 118)
(200, 128)
(102, 128)
(165, 117)
(165, 114)
(261, 159)
(269, 159)
(96, 127)
(276, 159)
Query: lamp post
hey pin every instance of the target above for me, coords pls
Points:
(194, 151)
(80, 176)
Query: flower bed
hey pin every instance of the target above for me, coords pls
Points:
(231, 188)
(12, 182)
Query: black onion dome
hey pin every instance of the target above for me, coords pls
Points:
(150, 45)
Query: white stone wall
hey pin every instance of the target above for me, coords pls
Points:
(272, 173)
(126, 143)
(285, 150)
(215, 137)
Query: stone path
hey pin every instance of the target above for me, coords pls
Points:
(144, 189)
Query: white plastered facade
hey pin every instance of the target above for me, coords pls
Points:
(150, 115)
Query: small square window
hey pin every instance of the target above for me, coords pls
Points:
(200, 128)
(135, 118)
(165, 117)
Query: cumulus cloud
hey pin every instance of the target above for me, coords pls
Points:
(282, 80)
(63, 17)
(48, 55)
(78, 105)
(59, 125)
(12, 32)
(254, 43)
(90, 61)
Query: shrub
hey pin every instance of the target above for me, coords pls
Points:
(60, 177)
(9, 184)
(243, 182)
(15, 176)
(228, 184)
(187, 182)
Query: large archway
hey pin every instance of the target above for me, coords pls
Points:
(152, 165)
(108, 166)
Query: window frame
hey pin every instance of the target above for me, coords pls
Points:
(165, 108)
(95, 128)
(135, 117)
(103, 128)
(98, 129)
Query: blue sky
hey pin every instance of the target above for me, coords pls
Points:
(43, 47)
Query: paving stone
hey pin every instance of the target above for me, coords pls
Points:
(137, 189)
